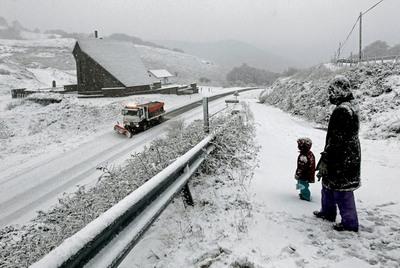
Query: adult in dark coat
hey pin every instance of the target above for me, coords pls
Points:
(339, 166)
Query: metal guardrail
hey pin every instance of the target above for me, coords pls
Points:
(105, 241)
(23, 92)
(194, 104)
(47, 89)
(369, 59)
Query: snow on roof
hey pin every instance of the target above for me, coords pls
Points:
(160, 73)
(119, 58)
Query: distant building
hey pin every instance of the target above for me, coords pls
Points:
(109, 67)
(161, 75)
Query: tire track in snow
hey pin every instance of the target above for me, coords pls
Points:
(12, 209)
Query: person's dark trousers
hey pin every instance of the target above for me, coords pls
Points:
(328, 204)
(347, 207)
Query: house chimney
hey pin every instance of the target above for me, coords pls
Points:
(95, 34)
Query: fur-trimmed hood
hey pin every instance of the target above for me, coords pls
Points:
(340, 90)
(304, 144)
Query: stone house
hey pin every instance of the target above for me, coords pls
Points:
(109, 68)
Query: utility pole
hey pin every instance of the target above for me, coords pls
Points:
(360, 56)
(351, 58)
(360, 48)
(205, 115)
(338, 53)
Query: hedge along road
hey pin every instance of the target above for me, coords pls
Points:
(39, 187)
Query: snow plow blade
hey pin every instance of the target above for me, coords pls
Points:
(121, 130)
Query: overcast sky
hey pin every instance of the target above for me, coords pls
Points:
(299, 29)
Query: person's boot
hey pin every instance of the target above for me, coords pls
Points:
(303, 198)
(340, 228)
(321, 215)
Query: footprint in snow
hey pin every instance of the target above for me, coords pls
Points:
(377, 243)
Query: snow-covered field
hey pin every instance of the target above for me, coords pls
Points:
(35, 63)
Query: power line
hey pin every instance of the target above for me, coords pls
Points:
(351, 31)
(369, 9)
(355, 24)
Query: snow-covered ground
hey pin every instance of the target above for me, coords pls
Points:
(286, 222)
(77, 132)
(261, 222)
(24, 194)
(264, 224)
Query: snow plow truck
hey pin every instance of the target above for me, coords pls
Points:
(139, 117)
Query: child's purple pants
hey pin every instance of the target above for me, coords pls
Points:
(347, 207)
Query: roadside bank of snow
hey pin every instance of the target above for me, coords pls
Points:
(281, 230)
(376, 89)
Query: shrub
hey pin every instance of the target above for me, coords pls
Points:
(15, 103)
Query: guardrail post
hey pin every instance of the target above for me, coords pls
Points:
(187, 196)
(205, 114)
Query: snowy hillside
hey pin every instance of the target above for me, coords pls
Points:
(221, 53)
(376, 89)
(35, 63)
(188, 67)
(15, 30)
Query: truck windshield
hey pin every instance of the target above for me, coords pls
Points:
(129, 112)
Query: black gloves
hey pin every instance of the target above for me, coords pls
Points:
(322, 167)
